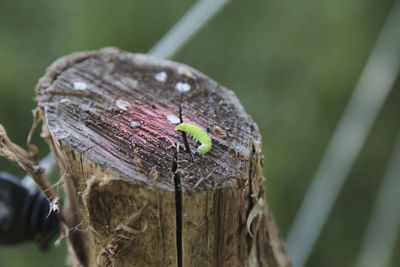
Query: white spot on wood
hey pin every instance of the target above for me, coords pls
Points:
(161, 76)
(134, 124)
(173, 119)
(182, 87)
(123, 104)
(65, 100)
(185, 72)
(80, 85)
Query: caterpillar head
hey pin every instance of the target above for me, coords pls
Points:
(180, 127)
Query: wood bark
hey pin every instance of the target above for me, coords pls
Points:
(137, 193)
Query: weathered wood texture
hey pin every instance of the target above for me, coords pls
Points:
(137, 192)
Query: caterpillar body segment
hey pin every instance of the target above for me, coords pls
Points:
(198, 135)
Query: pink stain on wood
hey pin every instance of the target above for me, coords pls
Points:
(154, 127)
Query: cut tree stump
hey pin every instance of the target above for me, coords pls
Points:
(137, 193)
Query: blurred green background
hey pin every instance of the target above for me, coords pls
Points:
(293, 64)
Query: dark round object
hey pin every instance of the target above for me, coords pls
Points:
(24, 214)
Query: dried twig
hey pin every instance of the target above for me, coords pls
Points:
(29, 162)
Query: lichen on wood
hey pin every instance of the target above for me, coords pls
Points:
(141, 195)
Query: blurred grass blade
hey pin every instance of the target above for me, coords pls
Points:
(348, 138)
(194, 19)
(384, 225)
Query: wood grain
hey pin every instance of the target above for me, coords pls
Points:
(138, 188)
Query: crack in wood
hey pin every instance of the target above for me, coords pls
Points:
(178, 207)
(184, 136)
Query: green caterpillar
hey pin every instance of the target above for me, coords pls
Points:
(198, 135)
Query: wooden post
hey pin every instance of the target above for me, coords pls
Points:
(137, 193)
